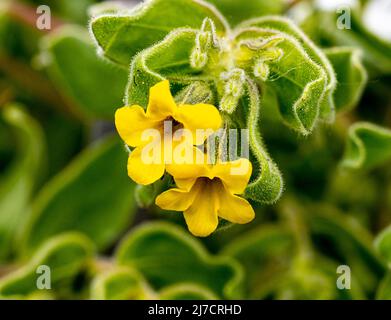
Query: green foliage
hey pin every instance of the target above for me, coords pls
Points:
(86, 78)
(158, 62)
(315, 100)
(376, 51)
(368, 146)
(145, 195)
(18, 183)
(312, 58)
(70, 200)
(120, 284)
(122, 35)
(384, 292)
(264, 252)
(351, 74)
(186, 292)
(15, 36)
(352, 243)
(268, 185)
(165, 255)
(66, 255)
(75, 11)
(383, 243)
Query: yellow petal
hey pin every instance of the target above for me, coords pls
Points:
(193, 168)
(235, 175)
(142, 171)
(199, 117)
(131, 122)
(185, 184)
(234, 208)
(161, 103)
(175, 199)
(201, 217)
(177, 151)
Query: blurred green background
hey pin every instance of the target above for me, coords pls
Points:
(66, 201)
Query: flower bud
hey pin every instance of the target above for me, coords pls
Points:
(229, 103)
(198, 59)
(261, 70)
(204, 40)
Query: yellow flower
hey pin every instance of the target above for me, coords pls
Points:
(205, 192)
(131, 122)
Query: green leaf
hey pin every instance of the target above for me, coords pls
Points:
(121, 36)
(287, 27)
(169, 59)
(251, 248)
(166, 255)
(186, 292)
(72, 134)
(298, 81)
(383, 245)
(66, 255)
(353, 244)
(18, 184)
(366, 196)
(17, 39)
(300, 85)
(264, 252)
(120, 283)
(315, 279)
(266, 185)
(111, 7)
(351, 76)
(368, 146)
(237, 11)
(93, 195)
(384, 290)
(95, 87)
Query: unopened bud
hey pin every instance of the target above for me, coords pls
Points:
(229, 103)
(209, 27)
(204, 40)
(196, 92)
(261, 70)
(234, 88)
(198, 59)
(235, 80)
